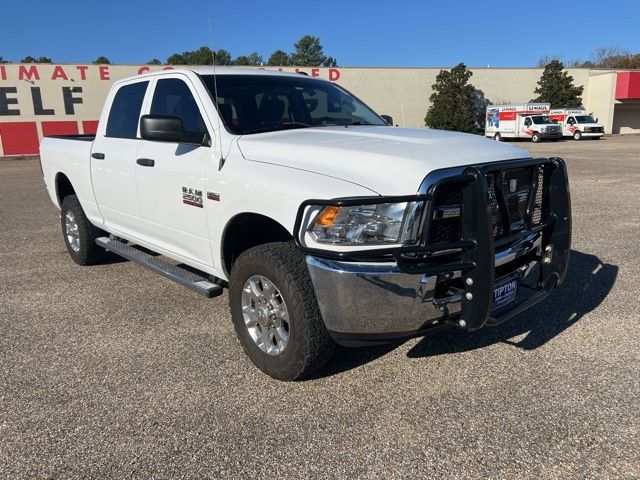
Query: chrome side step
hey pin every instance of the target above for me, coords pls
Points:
(172, 272)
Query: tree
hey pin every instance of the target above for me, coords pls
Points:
(176, 59)
(608, 57)
(279, 58)
(102, 61)
(253, 59)
(546, 58)
(452, 101)
(556, 87)
(223, 57)
(241, 60)
(480, 104)
(201, 56)
(3, 60)
(30, 59)
(154, 61)
(309, 53)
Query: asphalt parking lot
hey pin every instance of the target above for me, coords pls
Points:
(113, 371)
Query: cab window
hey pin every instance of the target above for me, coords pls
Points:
(125, 111)
(571, 121)
(173, 98)
(527, 122)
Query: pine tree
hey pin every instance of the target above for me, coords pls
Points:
(279, 58)
(309, 53)
(556, 87)
(452, 101)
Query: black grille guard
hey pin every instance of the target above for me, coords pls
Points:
(477, 247)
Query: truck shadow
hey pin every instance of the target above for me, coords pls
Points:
(587, 284)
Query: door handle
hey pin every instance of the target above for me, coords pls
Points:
(146, 162)
(98, 156)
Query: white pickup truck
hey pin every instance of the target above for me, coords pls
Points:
(325, 223)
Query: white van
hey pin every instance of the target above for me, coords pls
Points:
(577, 123)
(529, 120)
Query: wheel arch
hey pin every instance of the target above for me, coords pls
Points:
(64, 187)
(247, 230)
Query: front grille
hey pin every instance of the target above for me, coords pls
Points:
(509, 199)
(447, 201)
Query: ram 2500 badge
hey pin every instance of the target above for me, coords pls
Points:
(326, 224)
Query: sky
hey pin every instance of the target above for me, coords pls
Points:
(358, 33)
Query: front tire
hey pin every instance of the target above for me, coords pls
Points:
(577, 136)
(275, 312)
(535, 138)
(79, 234)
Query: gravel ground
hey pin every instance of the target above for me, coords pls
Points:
(112, 371)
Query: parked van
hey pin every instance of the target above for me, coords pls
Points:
(577, 123)
(521, 121)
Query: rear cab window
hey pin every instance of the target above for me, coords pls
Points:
(124, 114)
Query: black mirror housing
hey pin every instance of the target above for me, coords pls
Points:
(162, 128)
(388, 119)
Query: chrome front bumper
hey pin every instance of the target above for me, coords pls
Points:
(369, 302)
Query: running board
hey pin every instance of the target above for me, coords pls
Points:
(172, 272)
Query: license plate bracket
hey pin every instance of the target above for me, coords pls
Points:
(505, 291)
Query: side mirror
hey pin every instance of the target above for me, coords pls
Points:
(161, 128)
(596, 119)
(388, 119)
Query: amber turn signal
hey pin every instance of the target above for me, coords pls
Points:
(328, 216)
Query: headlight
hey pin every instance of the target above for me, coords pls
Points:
(376, 224)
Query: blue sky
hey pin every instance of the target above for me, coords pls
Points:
(357, 33)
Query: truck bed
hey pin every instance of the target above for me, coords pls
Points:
(68, 156)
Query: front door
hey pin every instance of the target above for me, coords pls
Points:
(171, 177)
(570, 126)
(525, 128)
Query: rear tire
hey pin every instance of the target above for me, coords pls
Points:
(79, 234)
(497, 137)
(536, 138)
(577, 136)
(279, 275)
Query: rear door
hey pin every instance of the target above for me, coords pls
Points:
(172, 192)
(113, 159)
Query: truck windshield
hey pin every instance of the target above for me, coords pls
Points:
(541, 120)
(585, 119)
(263, 103)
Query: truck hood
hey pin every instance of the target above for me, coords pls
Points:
(387, 160)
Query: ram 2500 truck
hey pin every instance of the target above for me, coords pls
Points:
(326, 224)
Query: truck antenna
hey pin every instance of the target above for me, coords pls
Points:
(215, 94)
